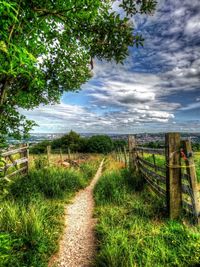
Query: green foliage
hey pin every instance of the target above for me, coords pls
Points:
(110, 189)
(100, 144)
(40, 148)
(5, 247)
(132, 229)
(47, 47)
(89, 169)
(71, 141)
(41, 162)
(119, 144)
(50, 182)
(196, 147)
(31, 216)
(32, 229)
(155, 144)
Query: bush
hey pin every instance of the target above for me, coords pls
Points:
(100, 144)
(40, 148)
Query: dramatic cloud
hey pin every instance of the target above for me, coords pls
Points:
(157, 88)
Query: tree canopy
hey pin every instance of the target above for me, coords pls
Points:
(76, 143)
(47, 48)
(100, 144)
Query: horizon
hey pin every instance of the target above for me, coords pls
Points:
(35, 133)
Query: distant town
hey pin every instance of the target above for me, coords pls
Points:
(142, 137)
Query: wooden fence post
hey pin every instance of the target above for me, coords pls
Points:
(61, 155)
(154, 162)
(125, 157)
(48, 154)
(132, 154)
(173, 175)
(24, 154)
(189, 162)
(69, 154)
(27, 155)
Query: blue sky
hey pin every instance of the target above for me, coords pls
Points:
(156, 90)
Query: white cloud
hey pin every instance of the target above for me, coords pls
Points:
(193, 25)
(140, 94)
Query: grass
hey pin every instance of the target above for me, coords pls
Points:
(32, 211)
(160, 161)
(133, 230)
(197, 164)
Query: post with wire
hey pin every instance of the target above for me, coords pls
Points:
(173, 175)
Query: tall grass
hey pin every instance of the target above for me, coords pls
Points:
(31, 217)
(133, 230)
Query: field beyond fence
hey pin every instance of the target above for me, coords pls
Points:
(170, 172)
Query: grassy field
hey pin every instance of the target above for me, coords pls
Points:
(160, 161)
(32, 210)
(132, 227)
(197, 163)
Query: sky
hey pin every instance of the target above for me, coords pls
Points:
(157, 89)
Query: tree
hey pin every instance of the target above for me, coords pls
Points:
(119, 144)
(72, 140)
(100, 144)
(40, 148)
(47, 47)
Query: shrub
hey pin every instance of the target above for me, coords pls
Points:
(40, 148)
(100, 144)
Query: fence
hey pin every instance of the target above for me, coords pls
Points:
(121, 155)
(172, 175)
(14, 162)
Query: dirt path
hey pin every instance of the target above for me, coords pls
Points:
(77, 247)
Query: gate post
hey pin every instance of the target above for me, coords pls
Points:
(173, 174)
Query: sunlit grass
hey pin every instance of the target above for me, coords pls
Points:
(133, 229)
(31, 217)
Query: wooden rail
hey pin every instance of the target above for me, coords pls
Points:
(176, 181)
(152, 165)
(15, 161)
(152, 179)
(155, 151)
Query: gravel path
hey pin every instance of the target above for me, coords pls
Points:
(77, 247)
